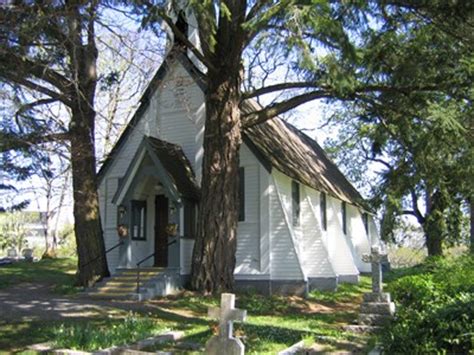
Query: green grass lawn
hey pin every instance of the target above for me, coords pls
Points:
(57, 272)
(273, 323)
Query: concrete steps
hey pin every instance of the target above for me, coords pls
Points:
(376, 310)
(153, 282)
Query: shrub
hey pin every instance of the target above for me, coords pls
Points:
(435, 309)
(415, 291)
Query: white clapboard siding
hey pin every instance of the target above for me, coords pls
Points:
(181, 114)
(358, 236)
(186, 250)
(109, 217)
(265, 183)
(248, 231)
(176, 100)
(314, 256)
(284, 261)
(338, 248)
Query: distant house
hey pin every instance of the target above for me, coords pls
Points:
(302, 225)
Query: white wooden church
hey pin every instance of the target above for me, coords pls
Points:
(301, 226)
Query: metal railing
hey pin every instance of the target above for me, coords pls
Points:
(103, 256)
(145, 259)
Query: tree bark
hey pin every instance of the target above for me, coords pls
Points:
(92, 264)
(435, 224)
(214, 251)
(216, 243)
(471, 230)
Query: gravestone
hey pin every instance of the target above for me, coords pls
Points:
(28, 254)
(225, 343)
(377, 307)
(375, 258)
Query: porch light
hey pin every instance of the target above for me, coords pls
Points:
(122, 212)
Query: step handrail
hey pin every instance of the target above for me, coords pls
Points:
(103, 256)
(145, 259)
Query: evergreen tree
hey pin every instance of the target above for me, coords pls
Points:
(48, 50)
(423, 139)
(323, 44)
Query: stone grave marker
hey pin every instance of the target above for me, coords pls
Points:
(225, 343)
(377, 307)
(375, 258)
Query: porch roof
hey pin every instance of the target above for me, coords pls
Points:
(171, 167)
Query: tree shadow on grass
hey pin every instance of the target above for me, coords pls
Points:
(21, 334)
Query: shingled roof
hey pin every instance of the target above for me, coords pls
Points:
(276, 143)
(292, 152)
(171, 165)
(177, 165)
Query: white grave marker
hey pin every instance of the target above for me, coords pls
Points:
(224, 343)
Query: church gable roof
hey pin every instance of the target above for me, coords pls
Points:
(276, 143)
(175, 54)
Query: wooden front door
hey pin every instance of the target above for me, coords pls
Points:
(161, 238)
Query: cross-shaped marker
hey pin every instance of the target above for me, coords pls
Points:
(227, 314)
(375, 258)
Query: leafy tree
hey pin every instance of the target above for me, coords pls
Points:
(320, 43)
(423, 141)
(48, 50)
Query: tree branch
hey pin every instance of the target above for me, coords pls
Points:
(259, 4)
(279, 87)
(36, 69)
(34, 86)
(10, 141)
(257, 117)
(31, 105)
(177, 33)
(416, 210)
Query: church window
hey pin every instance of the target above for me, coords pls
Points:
(365, 220)
(241, 194)
(344, 217)
(138, 230)
(295, 198)
(323, 210)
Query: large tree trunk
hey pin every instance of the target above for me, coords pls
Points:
(214, 251)
(435, 224)
(471, 231)
(92, 264)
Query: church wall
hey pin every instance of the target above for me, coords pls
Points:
(248, 231)
(109, 220)
(146, 125)
(315, 258)
(181, 115)
(284, 260)
(358, 236)
(338, 248)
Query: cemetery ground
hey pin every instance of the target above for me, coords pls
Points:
(39, 304)
(435, 313)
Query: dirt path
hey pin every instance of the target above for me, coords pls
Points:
(28, 302)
